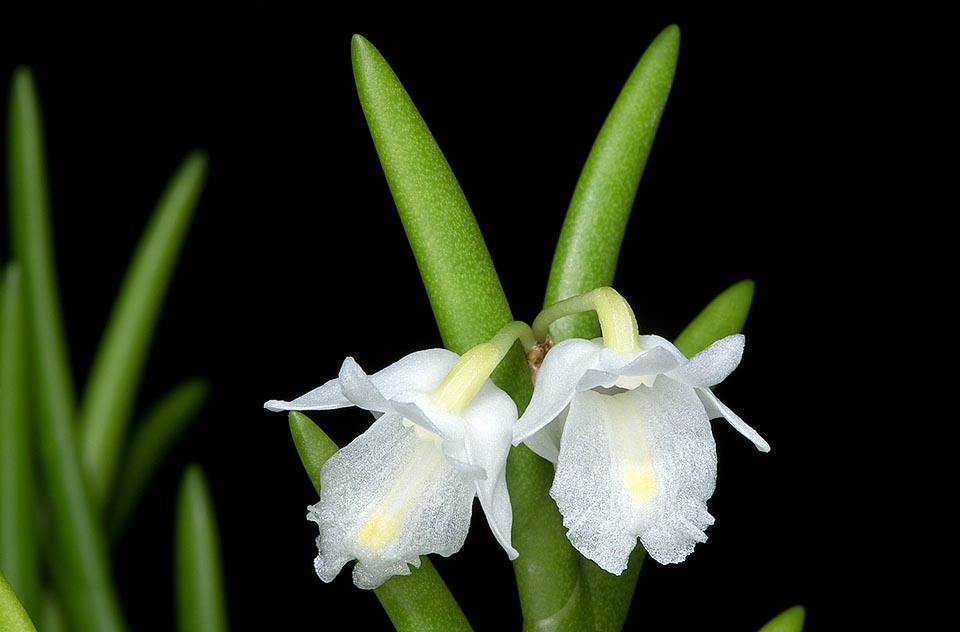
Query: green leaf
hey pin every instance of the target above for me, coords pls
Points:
(589, 244)
(419, 601)
(470, 307)
(33, 240)
(723, 316)
(118, 367)
(458, 274)
(13, 618)
(83, 569)
(155, 436)
(19, 552)
(201, 604)
(790, 620)
(313, 445)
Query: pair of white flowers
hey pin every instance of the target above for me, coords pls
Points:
(627, 426)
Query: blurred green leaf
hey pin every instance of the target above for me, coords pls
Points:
(470, 307)
(589, 244)
(201, 603)
(13, 618)
(419, 601)
(33, 240)
(155, 436)
(82, 569)
(118, 366)
(19, 552)
(723, 316)
(790, 620)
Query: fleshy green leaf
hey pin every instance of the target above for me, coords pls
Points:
(13, 618)
(82, 568)
(723, 316)
(313, 445)
(201, 604)
(470, 307)
(790, 620)
(114, 380)
(151, 442)
(19, 558)
(589, 244)
(419, 601)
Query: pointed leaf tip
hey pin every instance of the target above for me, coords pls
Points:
(790, 620)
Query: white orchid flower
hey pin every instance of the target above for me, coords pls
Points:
(628, 426)
(405, 487)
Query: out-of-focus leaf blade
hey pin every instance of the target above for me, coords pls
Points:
(201, 603)
(82, 566)
(790, 620)
(118, 366)
(419, 601)
(723, 316)
(32, 238)
(151, 442)
(13, 618)
(589, 244)
(19, 555)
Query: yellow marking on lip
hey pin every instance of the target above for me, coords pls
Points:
(640, 481)
(380, 530)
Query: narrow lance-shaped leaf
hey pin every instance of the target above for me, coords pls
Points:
(470, 307)
(13, 618)
(32, 237)
(589, 247)
(82, 569)
(201, 603)
(19, 554)
(593, 229)
(151, 442)
(419, 601)
(790, 620)
(111, 391)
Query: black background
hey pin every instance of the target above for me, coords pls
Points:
(296, 259)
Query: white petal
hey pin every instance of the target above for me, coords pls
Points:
(325, 397)
(546, 441)
(387, 498)
(612, 366)
(557, 379)
(419, 371)
(712, 365)
(586, 494)
(715, 408)
(638, 463)
(359, 388)
(489, 421)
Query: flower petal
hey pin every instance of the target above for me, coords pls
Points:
(359, 388)
(489, 421)
(562, 368)
(712, 365)
(546, 441)
(325, 397)
(715, 408)
(612, 366)
(637, 463)
(385, 499)
(419, 371)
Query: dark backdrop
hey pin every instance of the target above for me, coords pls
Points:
(297, 259)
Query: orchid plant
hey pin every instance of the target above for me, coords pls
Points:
(578, 435)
